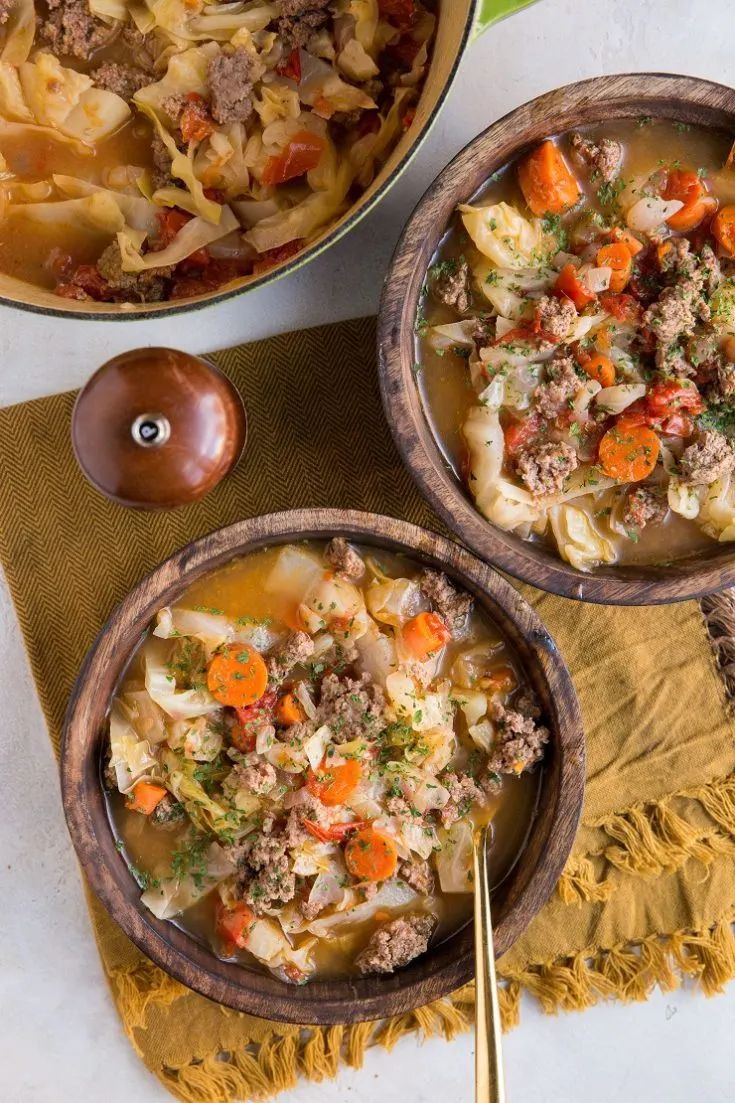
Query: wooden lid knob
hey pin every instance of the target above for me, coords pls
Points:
(157, 428)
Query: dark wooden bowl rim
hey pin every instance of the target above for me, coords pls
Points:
(686, 99)
(444, 968)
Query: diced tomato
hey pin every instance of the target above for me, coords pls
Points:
(302, 154)
(336, 832)
(401, 13)
(571, 287)
(271, 257)
(233, 925)
(86, 282)
(407, 120)
(70, 291)
(634, 415)
(519, 433)
(404, 51)
(196, 123)
(170, 222)
(524, 332)
(290, 66)
(59, 263)
(623, 307)
(678, 425)
(262, 708)
(242, 733)
(214, 275)
(215, 194)
(666, 399)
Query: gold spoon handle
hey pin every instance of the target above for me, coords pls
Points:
(489, 1080)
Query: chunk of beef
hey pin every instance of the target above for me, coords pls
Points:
(344, 560)
(683, 302)
(520, 738)
(123, 80)
(297, 648)
(603, 157)
(265, 878)
(709, 458)
(352, 707)
(555, 395)
(72, 31)
(643, 507)
(463, 793)
(231, 78)
(161, 174)
(454, 606)
(299, 19)
(168, 812)
(396, 943)
(449, 283)
(260, 778)
(544, 467)
(148, 287)
(418, 874)
(555, 317)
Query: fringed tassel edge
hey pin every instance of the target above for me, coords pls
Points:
(627, 973)
(653, 839)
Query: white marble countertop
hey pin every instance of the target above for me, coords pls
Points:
(60, 1038)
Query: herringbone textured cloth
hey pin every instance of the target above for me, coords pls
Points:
(650, 889)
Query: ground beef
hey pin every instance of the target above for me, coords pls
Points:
(344, 560)
(297, 648)
(141, 48)
(396, 943)
(123, 80)
(520, 739)
(555, 395)
(643, 507)
(168, 812)
(6, 6)
(418, 874)
(173, 106)
(449, 283)
(161, 174)
(709, 458)
(604, 157)
(544, 467)
(72, 31)
(555, 317)
(259, 778)
(299, 19)
(682, 302)
(352, 707)
(149, 286)
(463, 793)
(453, 606)
(231, 80)
(265, 877)
(310, 809)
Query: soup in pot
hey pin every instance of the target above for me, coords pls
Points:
(577, 344)
(301, 750)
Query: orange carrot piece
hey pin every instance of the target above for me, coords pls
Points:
(233, 925)
(424, 634)
(723, 228)
(501, 679)
(145, 797)
(547, 183)
(628, 452)
(686, 186)
(334, 784)
(616, 256)
(289, 711)
(569, 284)
(371, 856)
(237, 676)
(627, 238)
(601, 368)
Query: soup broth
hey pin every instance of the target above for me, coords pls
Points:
(657, 397)
(391, 728)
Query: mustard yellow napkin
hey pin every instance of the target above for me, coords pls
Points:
(649, 892)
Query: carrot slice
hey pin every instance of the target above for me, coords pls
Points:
(145, 797)
(371, 856)
(723, 228)
(686, 186)
(618, 257)
(569, 284)
(628, 452)
(289, 711)
(625, 236)
(547, 183)
(237, 676)
(334, 784)
(233, 925)
(424, 634)
(601, 368)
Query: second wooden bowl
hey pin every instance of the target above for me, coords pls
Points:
(684, 99)
(446, 966)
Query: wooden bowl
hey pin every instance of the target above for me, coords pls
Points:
(686, 99)
(445, 967)
(457, 20)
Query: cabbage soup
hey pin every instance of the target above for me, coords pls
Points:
(300, 750)
(162, 149)
(576, 344)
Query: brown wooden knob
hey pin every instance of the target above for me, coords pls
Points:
(157, 428)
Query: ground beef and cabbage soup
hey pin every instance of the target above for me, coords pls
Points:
(158, 149)
(577, 344)
(301, 749)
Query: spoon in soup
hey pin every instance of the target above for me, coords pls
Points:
(489, 1078)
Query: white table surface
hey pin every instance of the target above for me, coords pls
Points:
(60, 1038)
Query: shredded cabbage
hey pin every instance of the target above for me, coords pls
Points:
(578, 540)
(18, 33)
(505, 237)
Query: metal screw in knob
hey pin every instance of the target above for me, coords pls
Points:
(150, 430)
